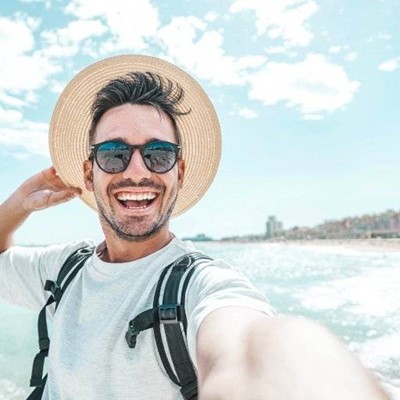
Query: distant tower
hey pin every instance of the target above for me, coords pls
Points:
(271, 226)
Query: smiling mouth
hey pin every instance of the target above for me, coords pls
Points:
(136, 200)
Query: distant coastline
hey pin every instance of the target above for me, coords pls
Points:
(360, 244)
(381, 230)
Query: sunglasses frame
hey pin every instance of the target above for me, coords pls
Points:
(132, 147)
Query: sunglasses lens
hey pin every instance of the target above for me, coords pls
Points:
(159, 156)
(113, 157)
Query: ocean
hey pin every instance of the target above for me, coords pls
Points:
(355, 292)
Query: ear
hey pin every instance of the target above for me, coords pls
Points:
(181, 172)
(88, 174)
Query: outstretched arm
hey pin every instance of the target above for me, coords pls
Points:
(43, 190)
(243, 354)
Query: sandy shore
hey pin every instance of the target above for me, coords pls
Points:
(389, 245)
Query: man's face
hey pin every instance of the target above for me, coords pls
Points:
(134, 204)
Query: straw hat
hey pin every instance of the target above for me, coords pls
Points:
(199, 129)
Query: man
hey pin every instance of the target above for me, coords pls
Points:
(153, 145)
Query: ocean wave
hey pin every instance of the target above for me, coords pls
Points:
(10, 391)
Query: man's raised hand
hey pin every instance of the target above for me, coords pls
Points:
(43, 190)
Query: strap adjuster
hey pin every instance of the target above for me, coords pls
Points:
(189, 391)
(54, 288)
(168, 314)
(37, 382)
(44, 343)
(131, 336)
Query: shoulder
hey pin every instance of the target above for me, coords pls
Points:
(217, 285)
(48, 259)
(210, 271)
(217, 273)
(63, 251)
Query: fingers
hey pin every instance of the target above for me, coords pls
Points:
(51, 176)
(62, 196)
(42, 199)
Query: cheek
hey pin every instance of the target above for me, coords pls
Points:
(100, 181)
(171, 187)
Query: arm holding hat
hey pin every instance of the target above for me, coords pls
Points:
(243, 354)
(43, 190)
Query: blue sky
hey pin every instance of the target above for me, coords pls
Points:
(307, 92)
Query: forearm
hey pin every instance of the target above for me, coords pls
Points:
(235, 384)
(12, 216)
(42, 190)
(282, 359)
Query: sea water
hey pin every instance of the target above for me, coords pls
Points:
(354, 292)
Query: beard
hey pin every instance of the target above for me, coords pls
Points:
(133, 228)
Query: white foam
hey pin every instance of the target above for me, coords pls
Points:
(378, 350)
(376, 293)
(10, 391)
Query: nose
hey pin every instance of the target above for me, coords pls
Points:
(136, 169)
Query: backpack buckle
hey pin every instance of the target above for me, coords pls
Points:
(54, 288)
(44, 344)
(168, 314)
(131, 336)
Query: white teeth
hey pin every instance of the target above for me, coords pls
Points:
(135, 197)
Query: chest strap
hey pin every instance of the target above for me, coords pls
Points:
(67, 273)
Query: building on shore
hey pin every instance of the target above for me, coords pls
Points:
(274, 228)
(383, 225)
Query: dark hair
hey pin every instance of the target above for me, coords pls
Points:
(143, 88)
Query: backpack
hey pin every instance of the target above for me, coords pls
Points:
(170, 314)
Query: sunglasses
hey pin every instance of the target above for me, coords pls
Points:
(114, 156)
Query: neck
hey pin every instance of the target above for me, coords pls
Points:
(118, 250)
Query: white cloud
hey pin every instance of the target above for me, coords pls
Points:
(15, 36)
(284, 19)
(25, 135)
(57, 86)
(129, 21)
(199, 51)
(247, 113)
(55, 51)
(335, 49)
(211, 16)
(10, 116)
(12, 101)
(314, 85)
(276, 49)
(351, 56)
(74, 32)
(21, 156)
(69, 41)
(25, 74)
(22, 136)
(384, 36)
(390, 65)
(26, 70)
(379, 36)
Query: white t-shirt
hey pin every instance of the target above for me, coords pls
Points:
(89, 358)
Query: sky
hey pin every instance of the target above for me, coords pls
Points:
(307, 93)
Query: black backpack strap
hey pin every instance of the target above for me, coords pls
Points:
(173, 318)
(171, 315)
(67, 273)
(38, 391)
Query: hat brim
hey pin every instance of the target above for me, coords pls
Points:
(199, 129)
